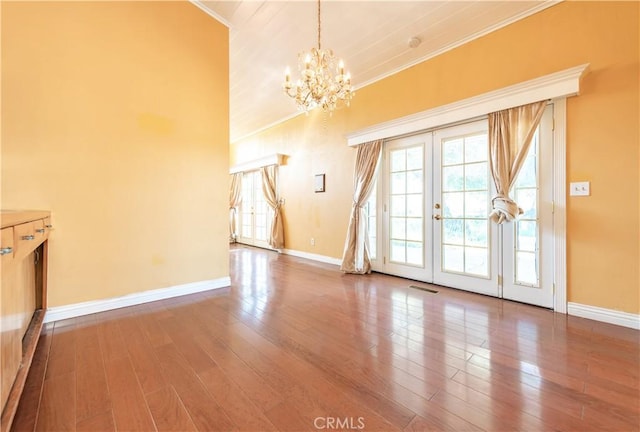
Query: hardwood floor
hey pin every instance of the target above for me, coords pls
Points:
(295, 345)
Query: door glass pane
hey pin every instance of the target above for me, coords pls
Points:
(414, 253)
(526, 256)
(476, 204)
(255, 213)
(526, 199)
(246, 206)
(527, 174)
(465, 205)
(527, 264)
(453, 178)
(414, 181)
(476, 261)
(414, 229)
(414, 158)
(398, 228)
(398, 161)
(398, 205)
(453, 258)
(398, 251)
(526, 236)
(476, 176)
(398, 183)
(453, 204)
(406, 211)
(475, 148)
(262, 210)
(452, 152)
(414, 205)
(477, 232)
(452, 232)
(246, 226)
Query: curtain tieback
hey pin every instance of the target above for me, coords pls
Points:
(504, 208)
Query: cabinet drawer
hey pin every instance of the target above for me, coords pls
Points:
(40, 231)
(6, 246)
(25, 239)
(47, 226)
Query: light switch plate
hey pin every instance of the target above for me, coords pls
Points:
(579, 189)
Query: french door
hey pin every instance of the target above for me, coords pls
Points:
(406, 192)
(528, 243)
(465, 254)
(429, 218)
(255, 217)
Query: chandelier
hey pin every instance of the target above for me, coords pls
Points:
(323, 82)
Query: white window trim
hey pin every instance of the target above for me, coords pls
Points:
(273, 159)
(560, 204)
(556, 87)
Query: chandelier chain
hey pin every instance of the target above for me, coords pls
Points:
(319, 25)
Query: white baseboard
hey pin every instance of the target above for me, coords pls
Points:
(314, 257)
(610, 316)
(78, 309)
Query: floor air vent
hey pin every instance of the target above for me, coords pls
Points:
(432, 291)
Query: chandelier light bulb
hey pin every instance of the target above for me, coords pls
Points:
(287, 78)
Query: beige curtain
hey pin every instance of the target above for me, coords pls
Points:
(510, 134)
(235, 198)
(270, 190)
(355, 258)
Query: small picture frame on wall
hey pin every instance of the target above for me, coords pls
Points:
(319, 183)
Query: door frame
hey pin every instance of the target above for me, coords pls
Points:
(257, 188)
(555, 87)
(431, 271)
(255, 165)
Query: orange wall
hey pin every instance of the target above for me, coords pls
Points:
(602, 131)
(115, 118)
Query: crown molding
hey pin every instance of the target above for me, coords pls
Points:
(200, 5)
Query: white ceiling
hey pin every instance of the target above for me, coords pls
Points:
(371, 36)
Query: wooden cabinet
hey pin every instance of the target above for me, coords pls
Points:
(23, 254)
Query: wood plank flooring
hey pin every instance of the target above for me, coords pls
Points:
(294, 345)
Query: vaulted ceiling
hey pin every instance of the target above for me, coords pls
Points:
(371, 36)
